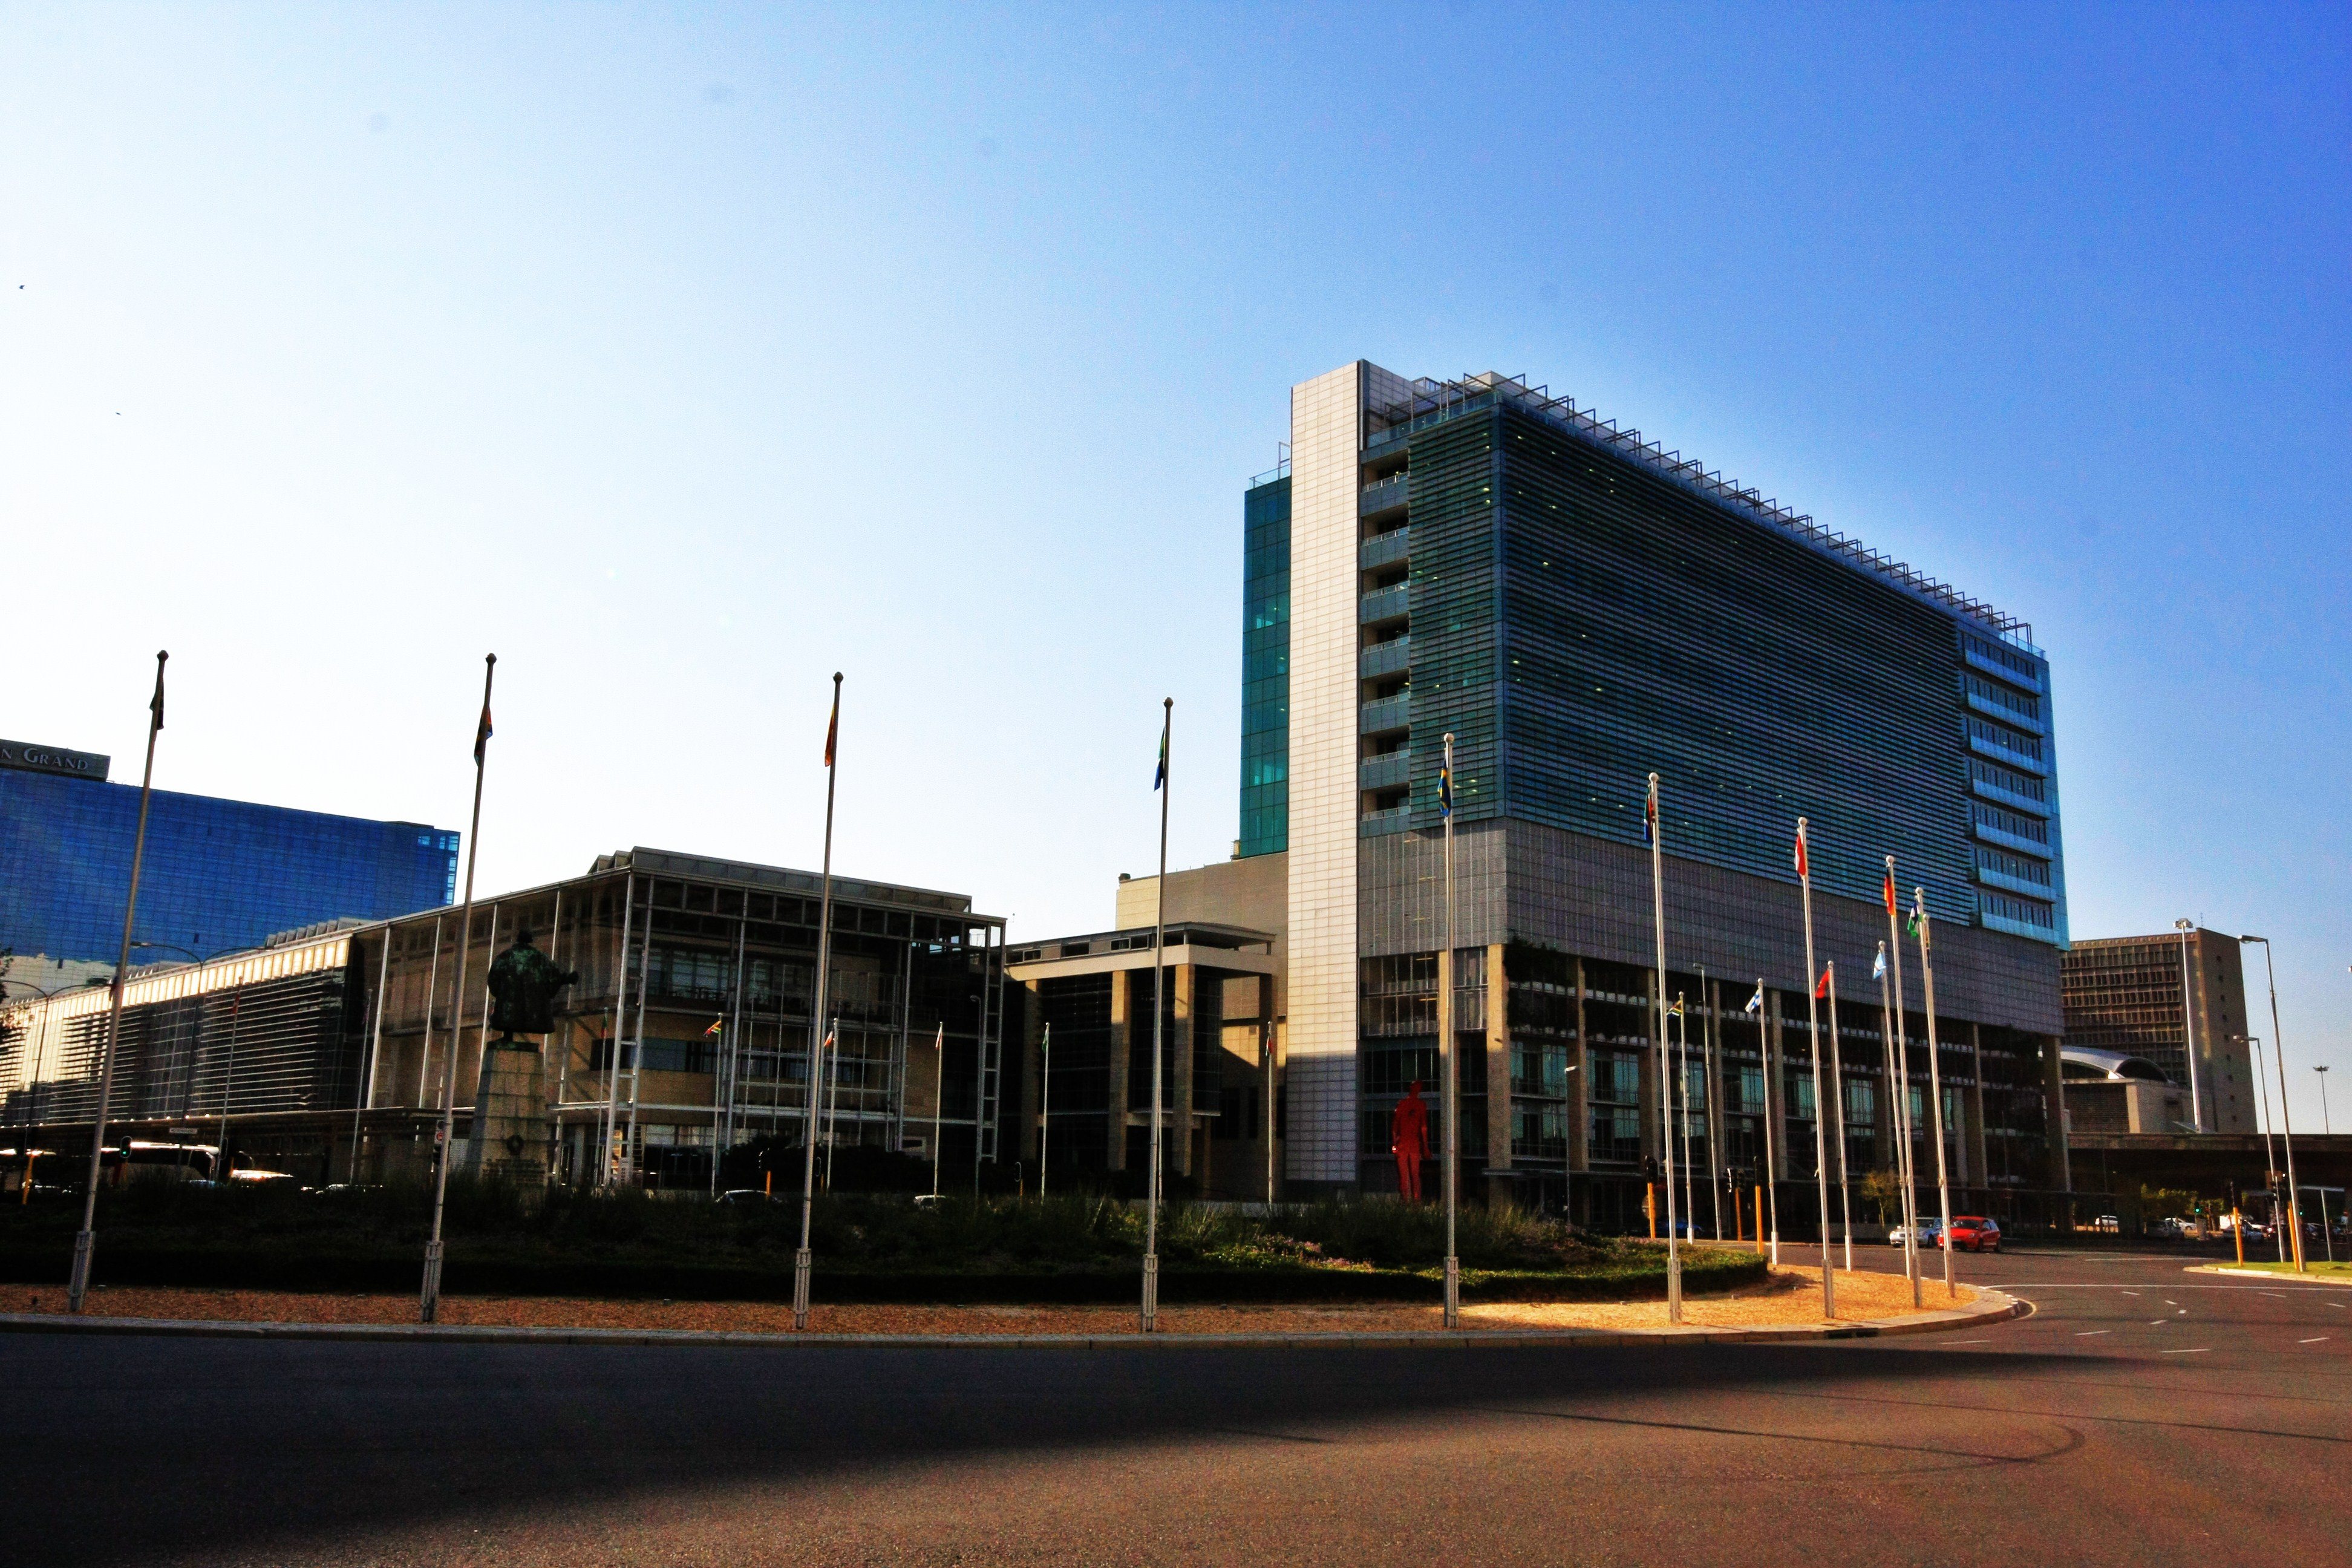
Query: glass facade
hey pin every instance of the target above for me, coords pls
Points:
(1578, 619)
(1266, 668)
(218, 874)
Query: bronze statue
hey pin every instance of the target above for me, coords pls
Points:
(523, 983)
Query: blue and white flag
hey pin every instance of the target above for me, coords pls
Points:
(1878, 966)
(1756, 1003)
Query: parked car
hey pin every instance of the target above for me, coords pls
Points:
(1896, 1234)
(1975, 1233)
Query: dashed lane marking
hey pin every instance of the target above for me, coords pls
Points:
(2198, 1351)
(2086, 1333)
(2313, 1340)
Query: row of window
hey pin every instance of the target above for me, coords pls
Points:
(2015, 823)
(2016, 866)
(2015, 742)
(2022, 665)
(2006, 779)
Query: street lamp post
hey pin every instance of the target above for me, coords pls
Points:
(2270, 1154)
(2286, 1112)
(2326, 1122)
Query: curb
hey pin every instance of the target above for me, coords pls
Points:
(2003, 1308)
(2267, 1274)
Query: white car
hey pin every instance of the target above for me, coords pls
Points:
(1928, 1230)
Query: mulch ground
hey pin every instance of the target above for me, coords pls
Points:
(1792, 1296)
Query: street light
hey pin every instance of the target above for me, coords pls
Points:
(2286, 1112)
(2326, 1123)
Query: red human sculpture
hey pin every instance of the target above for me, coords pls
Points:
(1409, 1140)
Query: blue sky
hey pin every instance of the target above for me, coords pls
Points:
(685, 355)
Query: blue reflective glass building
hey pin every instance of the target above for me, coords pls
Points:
(218, 874)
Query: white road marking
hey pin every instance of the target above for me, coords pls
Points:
(2169, 1302)
(2314, 1339)
(2131, 1292)
(1968, 1342)
(2281, 1295)
(2158, 1323)
(2086, 1333)
(2198, 1351)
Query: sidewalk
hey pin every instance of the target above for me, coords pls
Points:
(1987, 1307)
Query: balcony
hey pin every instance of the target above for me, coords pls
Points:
(2009, 884)
(2015, 759)
(1386, 713)
(1991, 709)
(1394, 820)
(1998, 670)
(1391, 603)
(1392, 658)
(2011, 799)
(1383, 495)
(1385, 772)
(1384, 548)
(2037, 848)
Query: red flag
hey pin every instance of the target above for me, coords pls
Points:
(833, 727)
(1800, 848)
(1890, 888)
(1823, 989)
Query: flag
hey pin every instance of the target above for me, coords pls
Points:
(482, 733)
(1878, 965)
(1756, 1003)
(1674, 1009)
(1822, 988)
(1650, 813)
(716, 1025)
(1803, 870)
(1446, 789)
(833, 726)
(155, 703)
(1159, 775)
(1919, 912)
(1890, 887)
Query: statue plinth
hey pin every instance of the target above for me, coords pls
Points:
(512, 1130)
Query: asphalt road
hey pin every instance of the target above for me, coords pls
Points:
(2141, 1416)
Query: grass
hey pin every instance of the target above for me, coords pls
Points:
(2317, 1266)
(1067, 1246)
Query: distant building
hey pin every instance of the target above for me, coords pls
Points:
(219, 875)
(690, 1030)
(2124, 995)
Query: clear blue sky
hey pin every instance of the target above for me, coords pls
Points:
(686, 355)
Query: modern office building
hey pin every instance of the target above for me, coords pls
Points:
(2126, 995)
(219, 875)
(1580, 608)
(689, 1030)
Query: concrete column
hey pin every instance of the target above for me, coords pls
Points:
(1976, 1100)
(1775, 1085)
(1650, 1084)
(1176, 1129)
(1499, 1077)
(1580, 1121)
(1126, 986)
(2061, 1173)
(1033, 1034)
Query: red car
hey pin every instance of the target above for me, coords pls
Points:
(1975, 1233)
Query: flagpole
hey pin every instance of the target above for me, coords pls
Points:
(832, 1097)
(86, 1238)
(1903, 1097)
(816, 1022)
(1150, 1314)
(1886, 1044)
(1447, 1047)
(1837, 1083)
(1936, 1088)
(1772, 1165)
(1813, 1023)
(939, 1103)
(1658, 910)
(1269, 1117)
(1044, 1112)
(429, 1298)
